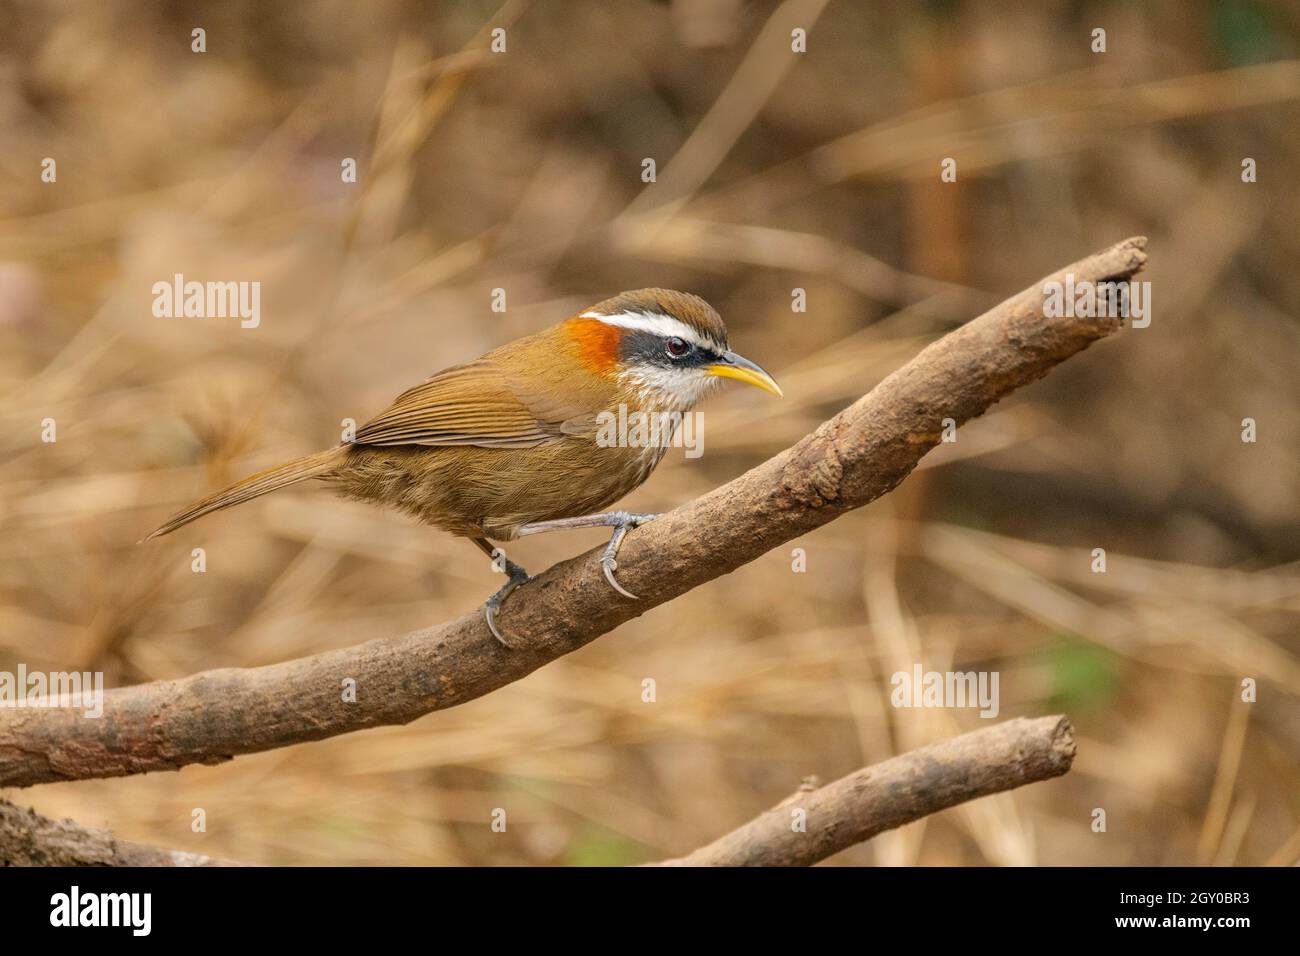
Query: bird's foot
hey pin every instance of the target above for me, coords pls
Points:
(623, 521)
(518, 576)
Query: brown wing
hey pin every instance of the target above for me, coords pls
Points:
(466, 405)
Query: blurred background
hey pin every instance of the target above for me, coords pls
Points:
(775, 171)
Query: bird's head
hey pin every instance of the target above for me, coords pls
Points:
(666, 348)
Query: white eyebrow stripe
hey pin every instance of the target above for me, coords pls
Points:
(656, 323)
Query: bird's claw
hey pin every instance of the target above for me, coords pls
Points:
(609, 565)
(609, 560)
(493, 604)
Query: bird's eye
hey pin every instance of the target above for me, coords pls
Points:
(676, 347)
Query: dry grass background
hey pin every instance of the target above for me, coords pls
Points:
(521, 171)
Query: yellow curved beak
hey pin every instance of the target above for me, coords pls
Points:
(743, 370)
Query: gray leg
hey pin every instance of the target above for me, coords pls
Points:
(518, 576)
(621, 521)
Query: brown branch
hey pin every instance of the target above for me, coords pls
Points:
(836, 816)
(894, 793)
(853, 458)
(29, 839)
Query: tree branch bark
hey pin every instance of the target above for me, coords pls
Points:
(894, 793)
(850, 460)
(29, 839)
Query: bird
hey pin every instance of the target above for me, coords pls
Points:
(514, 443)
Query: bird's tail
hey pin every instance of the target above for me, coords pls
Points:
(313, 466)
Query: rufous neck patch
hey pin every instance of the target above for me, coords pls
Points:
(597, 341)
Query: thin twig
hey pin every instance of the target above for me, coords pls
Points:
(810, 826)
